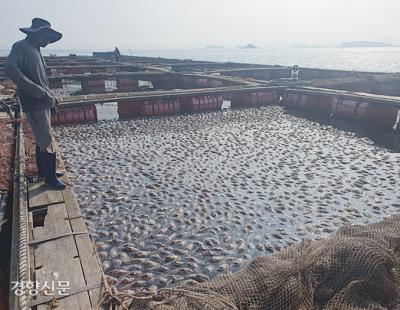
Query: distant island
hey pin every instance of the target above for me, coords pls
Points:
(308, 46)
(249, 46)
(366, 44)
(214, 46)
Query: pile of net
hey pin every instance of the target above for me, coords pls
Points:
(6, 153)
(356, 268)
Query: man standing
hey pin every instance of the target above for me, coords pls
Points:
(117, 54)
(26, 67)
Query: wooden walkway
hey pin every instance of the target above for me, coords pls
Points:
(141, 75)
(358, 96)
(77, 101)
(59, 253)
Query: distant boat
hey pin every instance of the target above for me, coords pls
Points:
(249, 46)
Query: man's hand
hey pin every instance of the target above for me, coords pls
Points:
(54, 109)
(49, 98)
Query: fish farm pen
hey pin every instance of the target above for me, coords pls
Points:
(204, 185)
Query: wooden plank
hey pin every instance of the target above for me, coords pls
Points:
(40, 194)
(72, 205)
(90, 265)
(77, 101)
(68, 195)
(140, 75)
(58, 260)
(88, 256)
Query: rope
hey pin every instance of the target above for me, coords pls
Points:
(22, 212)
(115, 300)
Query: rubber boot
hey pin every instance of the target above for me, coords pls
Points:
(49, 169)
(39, 165)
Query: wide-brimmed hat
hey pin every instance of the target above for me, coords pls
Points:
(43, 26)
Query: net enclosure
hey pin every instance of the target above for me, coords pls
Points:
(356, 268)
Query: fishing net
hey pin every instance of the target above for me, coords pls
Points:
(356, 268)
(6, 153)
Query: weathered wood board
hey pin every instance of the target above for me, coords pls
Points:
(40, 194)
(61, 249)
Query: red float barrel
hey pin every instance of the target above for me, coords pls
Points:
(190, 104)
(379, 115)
(74, 115)
(344, 108)
(317, 104)
(126, 84)
(131, 109)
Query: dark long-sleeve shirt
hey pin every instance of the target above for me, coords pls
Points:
(26, 67)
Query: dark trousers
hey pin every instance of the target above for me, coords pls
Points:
(40, 122)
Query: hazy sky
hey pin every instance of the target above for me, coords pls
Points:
(140, 24)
